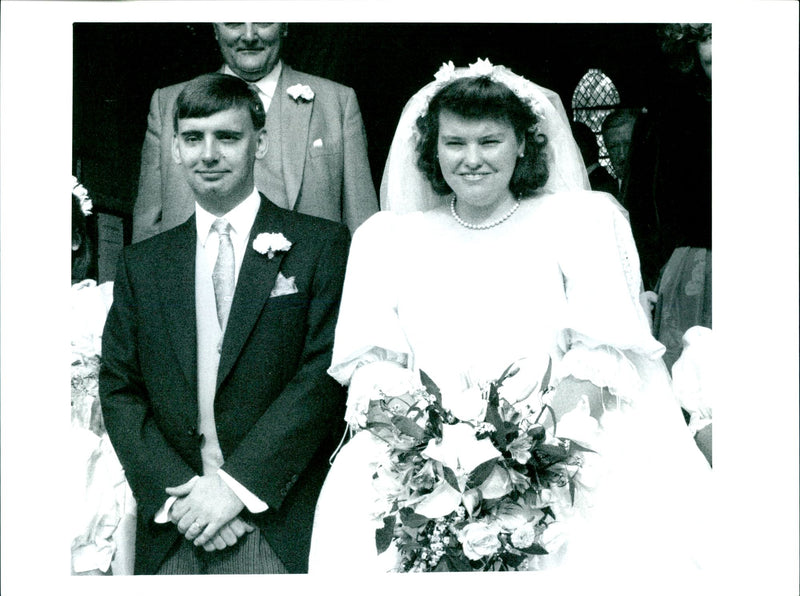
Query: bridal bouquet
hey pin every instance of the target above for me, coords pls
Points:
(86, 411)
(477, 487)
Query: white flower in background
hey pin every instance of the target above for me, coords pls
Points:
(80, 192)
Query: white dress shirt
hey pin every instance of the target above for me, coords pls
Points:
(266, 86)
(241, 219)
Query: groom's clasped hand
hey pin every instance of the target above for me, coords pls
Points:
(206, 513)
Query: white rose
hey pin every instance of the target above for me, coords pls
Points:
(524, 536)
(479, 540)
(510, 516)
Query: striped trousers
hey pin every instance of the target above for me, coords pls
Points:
(251, 554)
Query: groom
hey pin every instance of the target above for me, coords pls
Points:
(213, 382)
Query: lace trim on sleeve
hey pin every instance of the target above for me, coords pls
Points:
(632, 277)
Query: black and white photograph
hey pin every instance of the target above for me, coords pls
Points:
(373, 292)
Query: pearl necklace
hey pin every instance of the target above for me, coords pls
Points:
(481, 226)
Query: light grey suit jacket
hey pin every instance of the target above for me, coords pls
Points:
(326, 172)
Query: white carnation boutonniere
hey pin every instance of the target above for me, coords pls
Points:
(270, 243)
(298, 92)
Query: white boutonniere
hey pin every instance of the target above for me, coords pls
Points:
(298, 92)
(270, 243)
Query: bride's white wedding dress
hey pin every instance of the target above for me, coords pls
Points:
(560, 277)
(101, 504)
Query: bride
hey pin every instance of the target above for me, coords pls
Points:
(490, 250)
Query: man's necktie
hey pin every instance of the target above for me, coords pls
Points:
(264, 99)
(223, 276)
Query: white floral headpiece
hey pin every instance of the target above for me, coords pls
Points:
(484, 68)
(79, 190)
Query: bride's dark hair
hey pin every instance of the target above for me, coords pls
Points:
(479, 98)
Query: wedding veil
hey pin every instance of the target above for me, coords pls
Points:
(405, 189)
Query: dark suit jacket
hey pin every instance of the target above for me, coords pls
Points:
(600, 179)
(277, 411)
(330, 178)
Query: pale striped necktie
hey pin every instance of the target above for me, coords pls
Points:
(224, 271)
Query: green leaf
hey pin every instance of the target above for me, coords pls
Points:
(412, 519)
(451, 479)
(508, 372)
(512, 560)
(435, 422)
(482, 472)
(547, 408)
(493, 418)
(572, 490)
(494, 395)
(415, 413)
(407, 427)
(430, 386)
(384, 535)
(546, 378)
(535, 549)
(575, 446)
(537, 433)
(384, 432)
(376, 413)
(457, 562)
(548, 455)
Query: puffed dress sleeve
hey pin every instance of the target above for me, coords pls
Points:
(606, 329)
(370, 349)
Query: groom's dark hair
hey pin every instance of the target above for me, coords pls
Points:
(479, 98)
(211, 93)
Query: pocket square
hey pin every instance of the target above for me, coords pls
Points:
(317, 143)
(283, 286)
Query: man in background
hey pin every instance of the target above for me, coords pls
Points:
(599, 178)
(617, 133)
